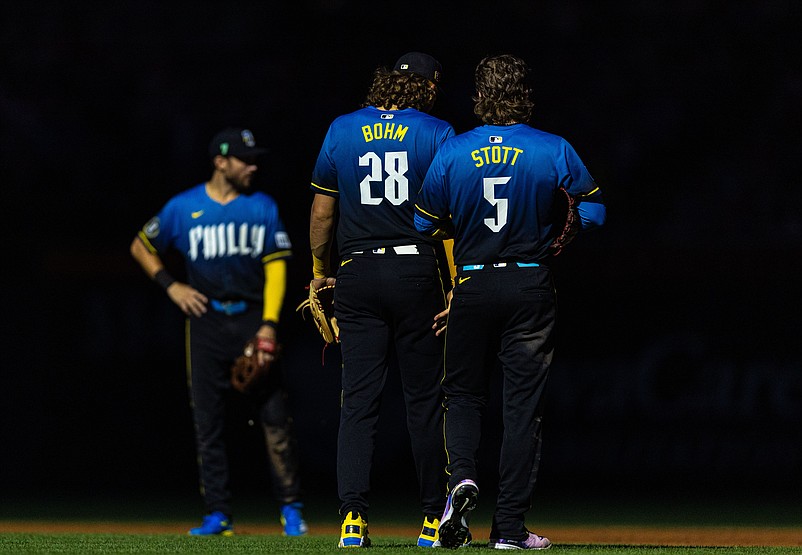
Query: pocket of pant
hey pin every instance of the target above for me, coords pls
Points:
(537, 294)
(423, 281)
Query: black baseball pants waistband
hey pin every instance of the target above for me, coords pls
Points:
(499, 265)
(399, 250)
(229, 307)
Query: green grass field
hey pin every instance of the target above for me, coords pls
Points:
(272, 544)
(605, 524)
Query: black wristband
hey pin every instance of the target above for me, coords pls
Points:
(270, 323)
(163, 278)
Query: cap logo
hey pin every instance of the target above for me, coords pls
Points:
(247, 138)
(224, 149)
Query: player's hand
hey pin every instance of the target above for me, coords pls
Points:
(441, 318)
(189, 300)
(317, 283)
(266, 332)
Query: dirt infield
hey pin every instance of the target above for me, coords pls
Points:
(611, 535)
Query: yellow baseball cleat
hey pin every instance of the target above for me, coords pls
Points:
(354, 531)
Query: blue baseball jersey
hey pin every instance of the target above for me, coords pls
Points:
(493, 188)
(374, 161)
(226, 246)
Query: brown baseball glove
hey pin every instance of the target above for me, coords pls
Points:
(250, 370)
(321, 306)
(565, 210)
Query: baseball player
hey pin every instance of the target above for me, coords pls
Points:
(369, 170)
(235, 248)
(493, 189)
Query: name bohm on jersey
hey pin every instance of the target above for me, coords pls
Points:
(228, 239)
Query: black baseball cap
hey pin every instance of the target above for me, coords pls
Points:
(235, 141)
(421, 64)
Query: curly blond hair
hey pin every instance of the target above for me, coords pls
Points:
(502, 95)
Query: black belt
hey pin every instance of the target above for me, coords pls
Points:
(399, 249)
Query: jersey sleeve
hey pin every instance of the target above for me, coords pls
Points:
(324, 175)
(432, 215)
(579, 183)
(446, 133)
(574, 176)
(277, 241)
(161, 231)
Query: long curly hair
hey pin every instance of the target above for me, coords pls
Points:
(402, 90)
(502, 93)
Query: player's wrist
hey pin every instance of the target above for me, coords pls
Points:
(266, 344)
(163, 278)
(319, 269)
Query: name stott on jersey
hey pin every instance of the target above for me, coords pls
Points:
(388, 153)
(498, 175)
(225, 246)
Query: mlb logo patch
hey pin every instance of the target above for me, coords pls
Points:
(495, 139)
(152, 228)
(387, 116)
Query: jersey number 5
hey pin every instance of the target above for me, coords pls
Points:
(396, 184)
(500, 220)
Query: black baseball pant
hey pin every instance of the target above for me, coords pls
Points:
(215, 340)
(499, 316)
(385, 305)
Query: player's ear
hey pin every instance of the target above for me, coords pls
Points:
(219, 162)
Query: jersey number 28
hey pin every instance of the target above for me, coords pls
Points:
(396, 184)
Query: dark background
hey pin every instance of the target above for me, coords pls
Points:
(679, 362)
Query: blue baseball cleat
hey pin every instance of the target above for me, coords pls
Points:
(292, 520)
(214, 524)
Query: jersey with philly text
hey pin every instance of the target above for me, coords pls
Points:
(374, 162)
(226, 246)
(497, 184)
